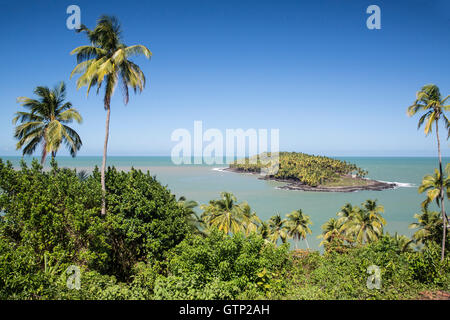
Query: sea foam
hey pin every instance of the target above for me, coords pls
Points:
(401, 184)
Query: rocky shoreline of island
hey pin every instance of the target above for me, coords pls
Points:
(292, 184)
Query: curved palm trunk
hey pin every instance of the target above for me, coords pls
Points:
(105, 148)
(44, 156)
(442, 199)
(307, 244)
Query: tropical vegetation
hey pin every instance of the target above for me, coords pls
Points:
(308, 169)
(430, 101)
(151, 247)
(355, 225)
(298, 226)
(106, 62)
(45, 122)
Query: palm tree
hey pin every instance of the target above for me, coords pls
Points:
(433, 185)
(331, 230)
(428, 225)
(429, 100)
(345, 213)
(45, 122)
(264, 231)
(366, 223)
(402, 242)
(83, 175)
(224, 214)
(195, 223)
(298, 226)
(278, 229)
(250, 221)
(372, 207)
(106, 61)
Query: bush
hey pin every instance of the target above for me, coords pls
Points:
(20, 274)
(344, 276)
(426, 266)
(144, 219)
(218, 266)
(53, 219)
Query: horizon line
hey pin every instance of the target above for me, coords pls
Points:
(168, 156)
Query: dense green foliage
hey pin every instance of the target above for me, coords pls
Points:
(53, 218)
(219, 267)
(148, 245)
(308, 169)
(344, 275)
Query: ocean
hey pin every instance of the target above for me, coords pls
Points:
(205, 182)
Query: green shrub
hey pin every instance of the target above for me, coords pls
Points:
(52, 219)
(144, 219)
(218, 266)
(344, 275)
(20, 274)
(426, 266)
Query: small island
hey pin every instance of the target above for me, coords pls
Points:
(306, 172)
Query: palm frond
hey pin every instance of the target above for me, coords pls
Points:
(70, 115)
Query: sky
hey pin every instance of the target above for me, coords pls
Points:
(311, 69)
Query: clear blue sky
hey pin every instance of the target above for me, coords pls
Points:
(310, 68)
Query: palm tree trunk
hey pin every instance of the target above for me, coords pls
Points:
(105, 148)
(44, 153)
(444, 220)
(307, 244)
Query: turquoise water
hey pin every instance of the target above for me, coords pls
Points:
(203, 182)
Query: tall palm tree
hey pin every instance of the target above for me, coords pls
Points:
(428, 225)
(278, 229)
(250, 221)
(224, 214)
(106, 61)
(367, 223)
(45, 122)
(298, 226)
(429, 100)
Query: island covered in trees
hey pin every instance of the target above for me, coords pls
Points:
(307, 172)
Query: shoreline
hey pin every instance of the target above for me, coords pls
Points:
(291, 184)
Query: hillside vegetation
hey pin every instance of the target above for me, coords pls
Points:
(150, 245)
(308, 169)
